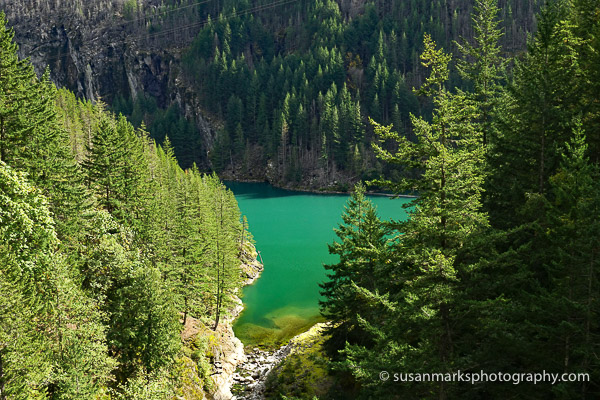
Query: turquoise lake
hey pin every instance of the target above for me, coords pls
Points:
(291, 230)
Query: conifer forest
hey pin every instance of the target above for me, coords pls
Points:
(123, 253)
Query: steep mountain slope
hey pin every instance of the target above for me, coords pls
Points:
(157, 61)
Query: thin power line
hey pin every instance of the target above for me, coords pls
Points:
(125, 22)
(167, 12)
(200, 24)
(233, 15)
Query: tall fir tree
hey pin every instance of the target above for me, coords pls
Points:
(362, 249)
(483, 65)
(544, 100)
(426, 278)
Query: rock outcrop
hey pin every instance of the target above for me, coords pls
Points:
(95, 50)
(230, 352)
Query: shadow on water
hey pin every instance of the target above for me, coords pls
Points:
(264, 190)
(257, 191)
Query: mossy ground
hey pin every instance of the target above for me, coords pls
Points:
(195, 364)
(303, 373)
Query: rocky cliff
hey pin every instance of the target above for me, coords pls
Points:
(102, 49)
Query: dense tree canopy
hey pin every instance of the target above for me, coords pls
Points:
(107, 245)
(496, 269)
(290, 86)
(103, 243)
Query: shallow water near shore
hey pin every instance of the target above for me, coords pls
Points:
(291, 230)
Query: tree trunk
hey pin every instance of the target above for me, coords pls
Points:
(2, 378)
(2, 141)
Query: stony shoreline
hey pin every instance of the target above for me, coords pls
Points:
(239, 375)
(251, 376)
(231, 353)
(304, 189)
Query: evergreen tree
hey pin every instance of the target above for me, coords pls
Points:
(105, 165)
(362, 249)
(17, 82)
(425, 282)
(191, 243)
(54, 342)
(31, 138)
(145, 332)
(483, 64)
(544, 100)
(82, 367)
(224, 271)
(26, 241)
(569, 301)
(94, 302)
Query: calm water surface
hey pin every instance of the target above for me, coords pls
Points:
(291, 230)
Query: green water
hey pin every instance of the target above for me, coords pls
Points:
(291, 230)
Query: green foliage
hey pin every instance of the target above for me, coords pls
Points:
(82, 368)
(426, 279)
(363, 251)
(483, 64)
(545, 98)
(26, 241)
(281, 101)
(516, 294)
(31, 138)
(569, 295)
(303, 372)
(223, 228)
(129, 8)
(145, 113)
(51, 336)
(281, 63)
(145, 386)
(95, 268)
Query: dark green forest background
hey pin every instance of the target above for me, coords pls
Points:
(496, 269)
(293, 84)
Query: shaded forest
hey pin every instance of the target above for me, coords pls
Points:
(290, 86)
(496, 268)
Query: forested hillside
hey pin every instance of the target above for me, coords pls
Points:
(294, 91)
(496, 269)
(293, 85)
(276, 90)
(106, 248)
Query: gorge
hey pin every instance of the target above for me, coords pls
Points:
(124, 257)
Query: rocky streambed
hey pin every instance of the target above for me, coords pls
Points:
(251, 376)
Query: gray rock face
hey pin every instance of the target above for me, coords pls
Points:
(94, 51)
